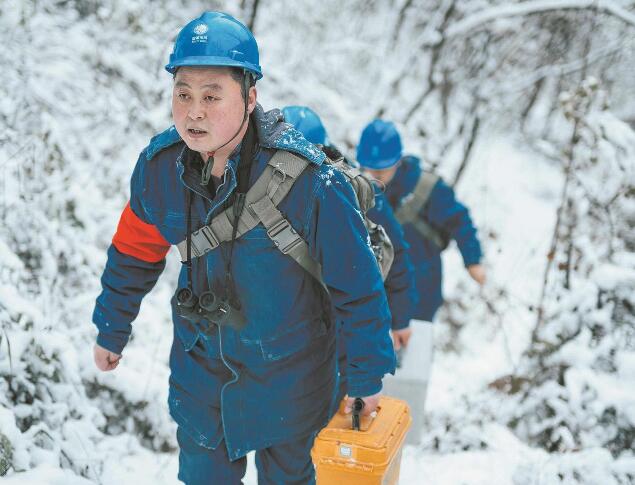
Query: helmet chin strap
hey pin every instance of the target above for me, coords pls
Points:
(206, 175)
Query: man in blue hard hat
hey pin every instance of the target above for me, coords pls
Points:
(254, 212)
(431, 217)
(399, 283)
(380, 153)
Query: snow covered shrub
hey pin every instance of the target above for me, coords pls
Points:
(6, 454)
(463, 427)
(574, 386)
(452, 318)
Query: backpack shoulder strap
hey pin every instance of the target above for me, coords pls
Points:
(409, 211)
(274, 184)
(283, 235)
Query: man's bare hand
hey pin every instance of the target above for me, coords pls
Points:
(105, 359)
(400, 338)
(477, 272)
(370, 404)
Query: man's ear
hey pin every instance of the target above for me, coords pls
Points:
(251, 99)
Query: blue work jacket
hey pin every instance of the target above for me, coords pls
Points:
(271, 382)
(445, 214)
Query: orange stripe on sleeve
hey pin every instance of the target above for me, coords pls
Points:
(139, 239)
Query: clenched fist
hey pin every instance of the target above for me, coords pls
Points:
(370, 404)
(105, 359)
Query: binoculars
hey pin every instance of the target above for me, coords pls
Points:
(209, 308)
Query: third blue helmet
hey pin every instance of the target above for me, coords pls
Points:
(215, 39)
(379, 146)
(307, 122)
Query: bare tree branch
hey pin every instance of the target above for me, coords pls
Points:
(436, 53)
(400, 21)
(427, 39)
(252, 18)
(526, 80)
(487, 15)
(468, 150)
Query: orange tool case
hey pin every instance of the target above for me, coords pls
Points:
(370, 456)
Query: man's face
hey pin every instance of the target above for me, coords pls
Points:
(384, 176)
(207, 106)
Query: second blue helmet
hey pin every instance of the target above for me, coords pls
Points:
(307, 122)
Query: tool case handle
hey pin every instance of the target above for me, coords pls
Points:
(358, 406)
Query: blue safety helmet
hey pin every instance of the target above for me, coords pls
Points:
(215, 39)
(379, 146)
(307, 122)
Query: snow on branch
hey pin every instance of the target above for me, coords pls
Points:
(526, 8)
(527, 79)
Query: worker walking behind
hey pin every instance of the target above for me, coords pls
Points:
(399, 283)
(431, 217)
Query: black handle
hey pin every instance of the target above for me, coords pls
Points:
(358, 405)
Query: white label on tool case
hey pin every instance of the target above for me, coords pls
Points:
(346, 451)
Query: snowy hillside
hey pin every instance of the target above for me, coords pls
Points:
(523, 106)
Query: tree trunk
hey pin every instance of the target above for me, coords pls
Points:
(254, 12)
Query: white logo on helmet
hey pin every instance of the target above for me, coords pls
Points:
(200, 29)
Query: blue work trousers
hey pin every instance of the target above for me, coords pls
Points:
(283, 464)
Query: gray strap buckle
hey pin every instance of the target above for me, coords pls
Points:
(203, 241)
(284, 236)
(280, 173)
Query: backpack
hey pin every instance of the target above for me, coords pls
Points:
(364, 189)
(261, 204)
(408, 211)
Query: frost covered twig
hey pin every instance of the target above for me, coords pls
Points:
(490, 14)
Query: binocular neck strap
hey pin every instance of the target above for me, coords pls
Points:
(188, 261)
(243, 175)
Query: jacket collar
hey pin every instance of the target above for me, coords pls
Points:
(404, 181)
